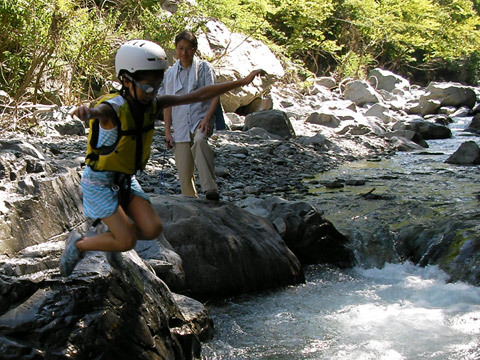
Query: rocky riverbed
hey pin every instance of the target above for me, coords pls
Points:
(143, 304)
(257, 237)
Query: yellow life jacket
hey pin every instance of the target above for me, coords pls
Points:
(131, 150)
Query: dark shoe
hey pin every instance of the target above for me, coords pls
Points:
(212, 194)
(70, 256)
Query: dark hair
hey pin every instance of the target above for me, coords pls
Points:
(187, 35)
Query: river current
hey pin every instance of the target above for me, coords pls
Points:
(386, 307)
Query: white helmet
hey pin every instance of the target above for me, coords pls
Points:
(137, 55)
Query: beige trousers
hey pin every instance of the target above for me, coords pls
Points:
(189, 155)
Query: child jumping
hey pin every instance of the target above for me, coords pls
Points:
(119, 141)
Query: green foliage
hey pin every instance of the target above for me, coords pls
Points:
(52, 45)
(410, 33)
(243, 16)
(62, 51)
(161, 26)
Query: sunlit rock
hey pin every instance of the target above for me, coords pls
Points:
(361, 93)
(387, 80)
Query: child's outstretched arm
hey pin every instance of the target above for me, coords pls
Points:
(102, 112)
(208, 92)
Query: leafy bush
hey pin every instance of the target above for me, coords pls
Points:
(61, 51)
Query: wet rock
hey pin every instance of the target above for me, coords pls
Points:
(106, 309)
(312, 238)
(427, 129)
(196, 314)
(402, 143)
(335, 184)
(408, 136)
(474, 125)
(467, 154)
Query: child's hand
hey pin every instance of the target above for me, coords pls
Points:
(83, 112)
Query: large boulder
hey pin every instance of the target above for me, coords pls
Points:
(274, 121)
(428, 130)
(451, 94)
(361, 93)
(467, 154)
(111, 307)
(237, 55)
(387, 80)
(312, 238)
(225, 250)
(40, 199)
(474, 125)
(423, 106)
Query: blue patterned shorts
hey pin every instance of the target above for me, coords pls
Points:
(99, 199)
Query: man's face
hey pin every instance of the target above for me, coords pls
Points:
(185, 51)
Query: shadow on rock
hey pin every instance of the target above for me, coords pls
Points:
(116, 309)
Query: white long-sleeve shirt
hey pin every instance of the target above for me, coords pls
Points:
(177, 81)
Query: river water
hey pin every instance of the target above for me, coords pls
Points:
(386, 307)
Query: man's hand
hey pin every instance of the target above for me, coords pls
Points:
(204, 126)
(169, 143)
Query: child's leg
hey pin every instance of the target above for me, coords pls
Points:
(122, 235)
(147, 223)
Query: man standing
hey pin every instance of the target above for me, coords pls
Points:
(192, 124)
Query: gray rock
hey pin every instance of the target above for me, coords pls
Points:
(159, 254)
(451, 94)
(70, 127)
(53, 205)
(326, 81)
(387, 80)
(406, 140)
(474, 125)
(423, 106)
(312, 238)
(274, 121)
(20, 147)
(428, 130)
(361, 93)
(325, 119)
(116, 309)
(467, 154)
(225, 250)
